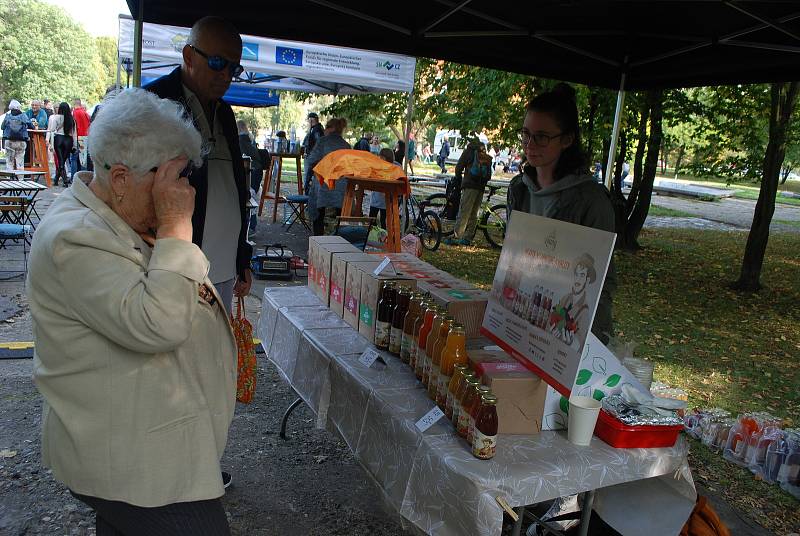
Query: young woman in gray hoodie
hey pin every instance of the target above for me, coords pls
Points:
(555, 182)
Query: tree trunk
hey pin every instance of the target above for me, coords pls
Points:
(593, 105)
(785, 174)
(784, 96)
(641, 144)
(679, 160)
(630, 241)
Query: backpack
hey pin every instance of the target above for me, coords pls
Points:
(481, 172)
(16, 128)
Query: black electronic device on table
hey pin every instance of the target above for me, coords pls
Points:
(274, 263)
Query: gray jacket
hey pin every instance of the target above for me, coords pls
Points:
(319, 194)
(575, 199)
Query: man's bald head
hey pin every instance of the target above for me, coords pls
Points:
(215, 28)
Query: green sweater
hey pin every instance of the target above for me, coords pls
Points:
(574, 199)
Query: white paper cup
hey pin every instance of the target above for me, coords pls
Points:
(583, 412)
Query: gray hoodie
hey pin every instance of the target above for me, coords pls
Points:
(575, 199)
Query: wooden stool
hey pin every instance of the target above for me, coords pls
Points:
(392, 190)
(39, 157)
(277, 158)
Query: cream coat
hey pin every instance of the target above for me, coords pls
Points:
(137, 371)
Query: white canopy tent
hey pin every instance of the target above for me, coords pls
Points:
(277, 64)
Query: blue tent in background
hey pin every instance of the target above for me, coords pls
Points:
(249, 95)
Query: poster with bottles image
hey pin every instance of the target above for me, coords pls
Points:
(545, 294)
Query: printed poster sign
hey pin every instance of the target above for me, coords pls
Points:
(545, 294)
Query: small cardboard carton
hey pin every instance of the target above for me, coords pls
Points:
(371, 285)
(320, 250)
(478, 357)
(352, 289)
(466, 305)
(520, 397)
(437, 281)
(339, 264)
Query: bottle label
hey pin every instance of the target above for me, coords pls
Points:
(406, 341)
(394, 340)
(483, 446)
(420, 364)
(463, 421)
(456, 412)
(381, 334)
(470, 428)
(444, 382)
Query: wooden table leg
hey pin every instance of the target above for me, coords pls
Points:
(265, 186)
(393, 223)
(300, 185)
(347, 202)
(277, 191)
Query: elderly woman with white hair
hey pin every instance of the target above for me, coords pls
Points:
(134, 356)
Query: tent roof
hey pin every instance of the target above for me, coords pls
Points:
(657, 43)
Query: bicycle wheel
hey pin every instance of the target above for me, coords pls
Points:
(438, 203)
(493, 223)
(429, 230)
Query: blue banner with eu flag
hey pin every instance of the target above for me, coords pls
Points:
(289, 56)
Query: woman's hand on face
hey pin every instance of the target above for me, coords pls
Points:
(173, 200)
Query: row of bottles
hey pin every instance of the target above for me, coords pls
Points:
(534, 306)
(413, 327)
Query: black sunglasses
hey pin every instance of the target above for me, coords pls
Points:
(185, 172)
(218, 63)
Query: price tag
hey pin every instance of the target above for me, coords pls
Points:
(492, 348)
(382, 266)
(429, 419)
(369, 356)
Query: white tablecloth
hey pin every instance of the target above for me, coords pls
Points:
(431, 478)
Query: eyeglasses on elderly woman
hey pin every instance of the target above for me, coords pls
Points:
(218, 63)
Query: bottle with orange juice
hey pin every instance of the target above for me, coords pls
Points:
(430, 342)
(455, 352)
(436, 356)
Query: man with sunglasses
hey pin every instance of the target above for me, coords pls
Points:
(211, 59)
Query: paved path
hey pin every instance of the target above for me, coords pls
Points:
(734, 212)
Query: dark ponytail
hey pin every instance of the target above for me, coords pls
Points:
(560, 102)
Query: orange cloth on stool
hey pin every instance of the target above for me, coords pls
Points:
(358, 164)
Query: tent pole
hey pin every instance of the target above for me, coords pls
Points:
(608, 177)
(137, 45)
(409, 112)
(119, 69)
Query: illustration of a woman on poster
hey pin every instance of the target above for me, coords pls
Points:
(569, 320)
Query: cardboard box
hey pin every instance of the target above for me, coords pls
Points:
(352, 289)
(339, 264)
(371, 285)
(520, 398)
(478, 357)
(466, 305)
(320, 250)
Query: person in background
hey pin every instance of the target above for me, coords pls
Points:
(248, 147)
(315, 132)
(320, 196)
(48, 108)
(377, 200)
(77, 159)
(400, 151)
(138, 404)
(444, 152)
(14, 126)
(38, 114)
(363, 143)
(375, 145)
(554, 182)
(473, 171)
(426, 153)
(61, 138)
(412, 153)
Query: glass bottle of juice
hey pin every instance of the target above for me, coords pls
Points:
(407, 337)
(398, 318)
(484, 439)
(422, 340)
(429, 342)
(459, 395)
(473, 411)
(452, 388)
(412, 352)
(383, 323)
(467, 399)
(455, 352)
(436, 357)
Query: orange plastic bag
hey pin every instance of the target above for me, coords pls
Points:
(247, 366)
(353, 163)
(704, 521)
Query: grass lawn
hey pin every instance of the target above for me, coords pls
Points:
(735, 351)
(656, 210)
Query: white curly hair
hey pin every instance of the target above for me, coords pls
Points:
(138, 129)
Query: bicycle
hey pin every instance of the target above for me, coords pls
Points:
(421, 222)
(493, 219)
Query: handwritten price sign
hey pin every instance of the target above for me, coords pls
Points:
(369, 356)
(429, 419)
